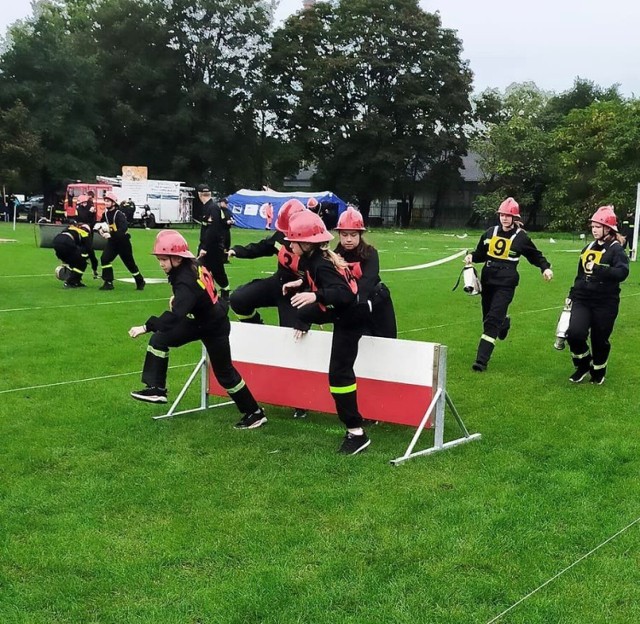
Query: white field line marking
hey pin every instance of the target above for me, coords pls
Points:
(553, 578)
(73, 381)
(559, 307)
(427, 265)
(78, 305)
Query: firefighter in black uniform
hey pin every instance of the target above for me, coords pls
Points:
(70, 246)
(118, 244)
(374, 299)
(500, 248)
(87, 214)
(196, 314)
(627, 229)
(227, 221)
(595, 297)
(211, 250)
(328, 295)
(267, 292)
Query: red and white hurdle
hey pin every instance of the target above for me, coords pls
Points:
(399, 381)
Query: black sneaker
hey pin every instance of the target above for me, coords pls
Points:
(140, 284)
(74, 285)
(353, 444)
(151, 395)
(479, 367)
(578, 375)
(106, 286)
(504, 329)
(300, 413)
(252, 421)
(597, 376)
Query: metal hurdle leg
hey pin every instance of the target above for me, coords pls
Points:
(202, 368)
(439, 401)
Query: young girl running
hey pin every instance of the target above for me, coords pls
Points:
(196, 314)
(595, 297)
(375, 306)
(328, 295)
(500, 248)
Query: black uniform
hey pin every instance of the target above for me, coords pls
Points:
(267, 293)
(85, 215)
(627, 228)
(70, 246)
(212, 240)
(119, 244)
(336, 303)
(374, 306)
(196, 314)
(501, 250)
(596, 298)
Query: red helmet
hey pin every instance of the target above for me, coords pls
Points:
(606, 216)
(351, 219)
(312, 203)
(308, 227)
(287, 210)
(112, 196)
(171, 243)
(509, 207)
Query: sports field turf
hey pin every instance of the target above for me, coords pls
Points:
(107, 516)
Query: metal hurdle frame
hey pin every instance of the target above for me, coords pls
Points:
(439, 401)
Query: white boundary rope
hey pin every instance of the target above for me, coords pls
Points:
(415, 267)
(553, 578)
(78, 305)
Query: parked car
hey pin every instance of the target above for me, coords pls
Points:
(32, 207)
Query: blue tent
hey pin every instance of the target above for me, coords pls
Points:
(248, 206)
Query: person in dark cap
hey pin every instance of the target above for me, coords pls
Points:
(211, 250)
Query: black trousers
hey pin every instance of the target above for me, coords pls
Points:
(598, 318)
(92, 253)
(214, 261)
(118, 247)
(262, 293)
(495, 304)
(216, 342)
(69, 253)
(344, 351)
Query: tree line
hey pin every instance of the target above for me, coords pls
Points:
(373, 94)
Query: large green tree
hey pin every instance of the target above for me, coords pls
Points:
(373, 92)
(596, 162)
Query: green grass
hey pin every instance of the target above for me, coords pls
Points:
(107, 516)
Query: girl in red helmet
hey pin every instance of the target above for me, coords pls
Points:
(118, 244)
(195, 313)
(246, 300)
(328, 295)
(595, 297)
(500, 248)
(375, 306)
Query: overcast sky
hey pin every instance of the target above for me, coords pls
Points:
(549, 42)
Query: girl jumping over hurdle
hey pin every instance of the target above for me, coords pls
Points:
(327, 294)
(196, 313)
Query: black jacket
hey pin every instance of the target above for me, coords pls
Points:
(611, 267)
(274, 245)
(501, 250)
(117, 221)
(191, 298)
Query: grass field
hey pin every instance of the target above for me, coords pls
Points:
(107, 516)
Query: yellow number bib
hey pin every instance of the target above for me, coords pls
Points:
(499, 247)
(590, 255)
